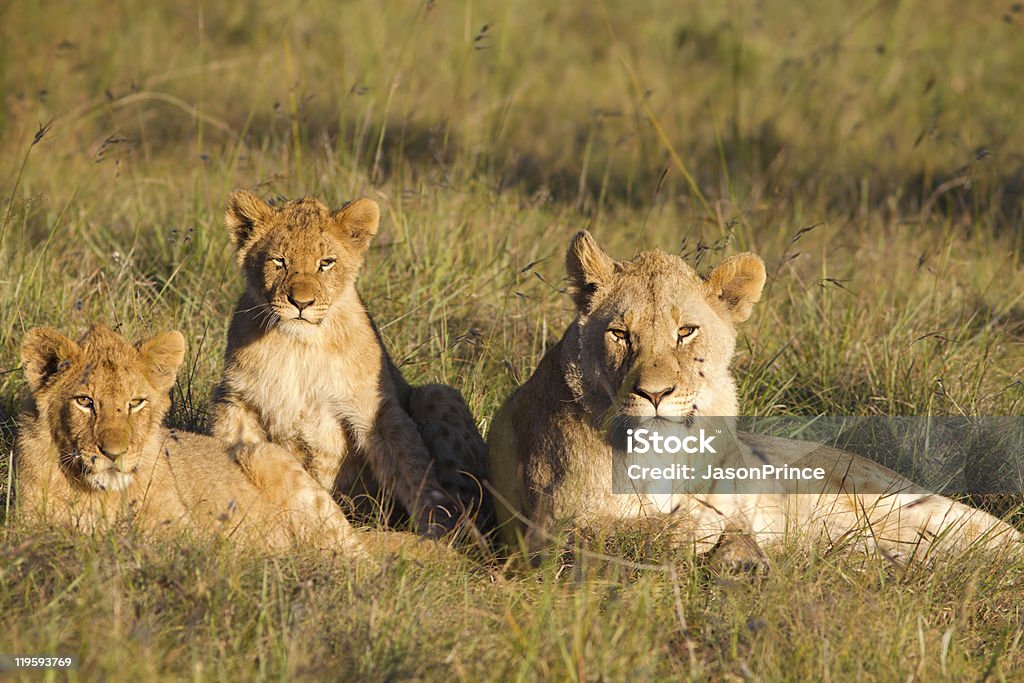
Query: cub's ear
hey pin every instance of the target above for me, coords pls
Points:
(244, 216)
(357, 222)
(589, 269)
(161, 357)
(45, 353)
(737, 282)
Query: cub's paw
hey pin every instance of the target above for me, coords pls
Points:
(438, 516)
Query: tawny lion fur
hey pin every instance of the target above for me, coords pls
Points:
(92, 451)
(654, 339)
(305, 368)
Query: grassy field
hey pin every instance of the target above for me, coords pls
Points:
(872, 153)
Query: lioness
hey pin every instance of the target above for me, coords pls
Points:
(92, 450)
(652, 342)
(305, 368)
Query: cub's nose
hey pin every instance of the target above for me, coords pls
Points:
(655, 397)
(300, 301)
(114, 447)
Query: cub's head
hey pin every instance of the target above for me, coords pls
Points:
(102, 399)
(655, 338)
(299, 257)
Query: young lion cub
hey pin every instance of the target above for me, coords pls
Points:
(91, 451)
(306, 369)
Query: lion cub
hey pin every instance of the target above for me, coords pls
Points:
(305, 368)
(91, 451)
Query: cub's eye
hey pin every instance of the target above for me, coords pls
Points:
(687, 331)
(136, 404)
(278, 262)
(83, 402)
(618, 334)
(326, 264)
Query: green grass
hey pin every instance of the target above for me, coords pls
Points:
(490, 132)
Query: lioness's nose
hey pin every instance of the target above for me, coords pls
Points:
(300, 301)
(654, 397)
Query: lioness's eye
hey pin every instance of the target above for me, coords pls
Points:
(686, 331)
(326, 264)
(83, 402)
(619, 334)
(136, 404)
(279, 262)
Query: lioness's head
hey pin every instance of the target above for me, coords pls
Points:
(655, 338)
(102, 399)
(299, 257)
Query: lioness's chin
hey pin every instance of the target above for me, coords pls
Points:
(639, 412)
(646, 411)
(110, 480)
(656, 422)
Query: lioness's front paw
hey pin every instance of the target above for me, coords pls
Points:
(739, 552)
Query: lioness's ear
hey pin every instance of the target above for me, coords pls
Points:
(357, 222)
(737, 282)
(161, 357)
(589, 268)
(45, 353)
(244, 215)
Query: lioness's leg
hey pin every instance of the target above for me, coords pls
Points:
(454, 442)
(939, 521)
(901, 525)
(299, 505)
